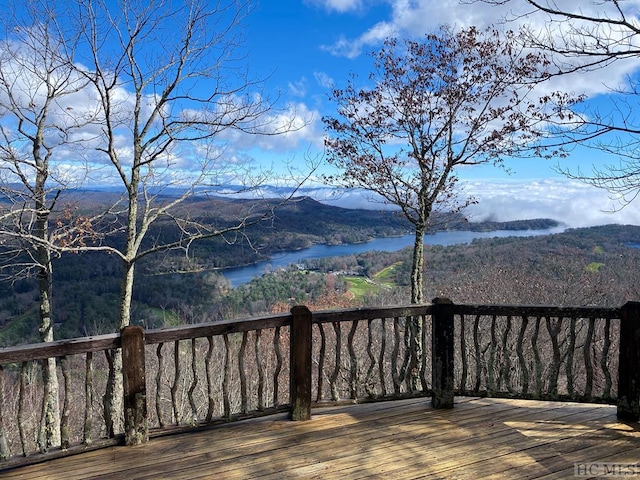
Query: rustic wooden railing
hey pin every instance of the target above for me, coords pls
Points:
(200, 375)
(539, 352)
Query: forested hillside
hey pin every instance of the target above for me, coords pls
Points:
(591, 266)
(587, 266)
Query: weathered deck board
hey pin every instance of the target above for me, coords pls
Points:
(479, 438)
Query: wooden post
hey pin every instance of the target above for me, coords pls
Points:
(629, 363)
(136, 428)
(300, 374)
(442, 353)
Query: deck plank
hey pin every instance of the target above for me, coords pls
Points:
(479, 438)
(442, 438)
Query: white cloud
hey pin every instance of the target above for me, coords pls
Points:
(352, 48)
(572, 203)
(340, 6)
(299, 88)
(414, 18)
(324, 80)
(295, 126)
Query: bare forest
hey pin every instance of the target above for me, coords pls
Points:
(591, 266)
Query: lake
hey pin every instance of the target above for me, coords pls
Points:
(241, 275)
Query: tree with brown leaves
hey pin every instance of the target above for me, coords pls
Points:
(455, 99)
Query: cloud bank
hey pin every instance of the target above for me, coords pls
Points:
(572, 203)
(569, 202)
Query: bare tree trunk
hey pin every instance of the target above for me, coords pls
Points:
(50, 421)
(126, 294)
(114, 395)
(114, 399)
(417, 267)
(414, 338)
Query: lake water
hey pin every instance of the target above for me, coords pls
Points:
(241, 275)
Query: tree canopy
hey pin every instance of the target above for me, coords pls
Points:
(454, 99)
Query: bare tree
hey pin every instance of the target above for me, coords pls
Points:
(37, 129)
(454, 99)
(172, 89)
(169, 94)
(583, 40)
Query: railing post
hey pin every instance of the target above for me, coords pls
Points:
(136, 428)
(442, 353)
(629, 363)
(300, 351)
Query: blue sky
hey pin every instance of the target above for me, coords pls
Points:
(305, 46)
(301, 48)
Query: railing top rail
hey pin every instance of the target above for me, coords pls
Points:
(109, 341)
(347, 315)
(538, 311)
(74, 346)
(202, 330)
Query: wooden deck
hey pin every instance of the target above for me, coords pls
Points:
(479, 438)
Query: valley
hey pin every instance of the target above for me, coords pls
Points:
(170, 289)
